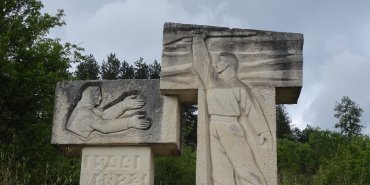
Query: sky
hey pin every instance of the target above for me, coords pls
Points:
(336, 40)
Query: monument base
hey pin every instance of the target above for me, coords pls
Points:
(127, 165)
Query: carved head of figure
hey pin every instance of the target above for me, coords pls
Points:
(227, 65)
(92, 96)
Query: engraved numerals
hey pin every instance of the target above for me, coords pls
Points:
(114, 169)
(120, 179)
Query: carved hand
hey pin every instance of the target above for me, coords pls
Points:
(138, 122)
(132, 102)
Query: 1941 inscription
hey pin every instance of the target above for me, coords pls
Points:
(125, 169)
(111, 162)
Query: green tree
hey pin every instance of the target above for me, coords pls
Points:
(141, 69)
(88, 69)
(303, 135)
(283, 129)
(349, 114)
(127, 71)
(154, 70)
(110, 69)
(189, 128)
(30, 66)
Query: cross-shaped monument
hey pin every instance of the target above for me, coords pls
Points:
(236, 76)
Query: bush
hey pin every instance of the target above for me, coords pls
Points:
(176, 170)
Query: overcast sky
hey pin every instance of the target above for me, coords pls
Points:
(336, 32)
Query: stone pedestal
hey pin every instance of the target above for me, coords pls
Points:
(128, 165)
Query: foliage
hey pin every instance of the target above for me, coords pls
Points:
(176, 170)
(18, 168)
(141, 69)
(348, 164)
(110, 69)
(127, 71)
(348, 113)
(154, 70)
(295, 156)
(326, 158)
(88, 69)
(31, 64)
(283, 129)
(189, 126)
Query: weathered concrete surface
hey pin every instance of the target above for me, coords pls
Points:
(265, 58)
(117, 165)
(162, 113)
(236, 76)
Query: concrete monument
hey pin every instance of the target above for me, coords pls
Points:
(235, 76)
(117, 126)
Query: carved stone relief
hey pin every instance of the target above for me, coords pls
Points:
(88, 117)
(115, 112)
(236, 76)
(237, 121)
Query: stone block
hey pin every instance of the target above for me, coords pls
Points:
(115, 113)
(266, 58)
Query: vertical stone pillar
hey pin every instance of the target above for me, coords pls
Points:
(203, 165)
(128, 165)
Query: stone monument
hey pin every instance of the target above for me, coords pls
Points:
(117, 126)
(236, 76)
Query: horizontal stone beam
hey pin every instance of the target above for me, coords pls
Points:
(265, 58)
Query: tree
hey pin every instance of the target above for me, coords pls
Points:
(141, 69)
(154, 70)
(349, 114)
(88, 69)
(127, 71)
(283, 129)
(30, 66)
(30, 63)
(111, 68)
(189, 128)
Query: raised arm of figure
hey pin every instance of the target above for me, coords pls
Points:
(202, 62)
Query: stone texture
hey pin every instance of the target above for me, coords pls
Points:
(117, 166)
(105, 125)
(265, 58)
(236, 76)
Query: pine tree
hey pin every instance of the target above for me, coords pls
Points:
(88, 69)
(127, 71)
(154, 70)
(110, 69)
(141, 69)
(283, 129)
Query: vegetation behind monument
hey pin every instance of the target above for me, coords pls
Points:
(31, 64)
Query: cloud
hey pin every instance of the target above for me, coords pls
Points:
(133, 28)
(343, 73)
(336, 48)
